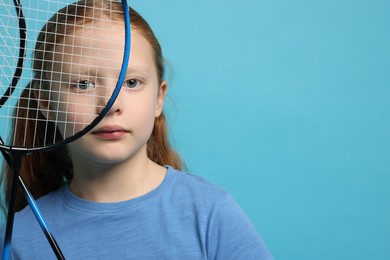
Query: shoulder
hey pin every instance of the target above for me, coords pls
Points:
(196, 188)
(230, 233)
(194, 181)
(26, 223)
(193, 193)
(46, 205)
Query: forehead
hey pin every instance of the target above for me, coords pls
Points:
(102, 45)
(94, 40)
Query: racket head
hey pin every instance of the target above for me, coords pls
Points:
(75, 61)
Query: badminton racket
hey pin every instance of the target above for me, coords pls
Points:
(52, 79)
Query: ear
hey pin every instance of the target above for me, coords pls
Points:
(42, 98)
(162, 91)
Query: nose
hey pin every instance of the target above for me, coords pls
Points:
(116, 108)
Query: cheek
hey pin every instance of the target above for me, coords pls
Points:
(142, 115)
(142, 112)
(147, 105)
(72, 113)
(71, 124)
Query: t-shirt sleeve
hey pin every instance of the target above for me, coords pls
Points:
(233, 236)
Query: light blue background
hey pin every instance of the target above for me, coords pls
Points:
(286, 105)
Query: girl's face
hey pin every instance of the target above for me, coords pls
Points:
(85, 69)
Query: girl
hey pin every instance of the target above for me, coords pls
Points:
(118, 192)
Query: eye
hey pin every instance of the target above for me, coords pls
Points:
(131, 83)
(83, 84)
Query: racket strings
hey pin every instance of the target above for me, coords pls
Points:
(63, 53)
(9, 44)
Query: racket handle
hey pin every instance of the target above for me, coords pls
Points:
(16, 165)
(34, 207)
(41, 221)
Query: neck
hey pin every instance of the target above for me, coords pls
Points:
(103, 182)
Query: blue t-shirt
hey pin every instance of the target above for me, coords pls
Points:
(185, 217)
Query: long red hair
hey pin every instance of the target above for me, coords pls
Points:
(44, 172)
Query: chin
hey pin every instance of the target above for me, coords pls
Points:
(111, 158)
(115, 156)
(111, 153)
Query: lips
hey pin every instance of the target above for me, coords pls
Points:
(110, 132)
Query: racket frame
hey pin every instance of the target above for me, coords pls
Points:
(15, 154)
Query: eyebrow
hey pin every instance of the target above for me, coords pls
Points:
(138, 70)
(80, 68)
